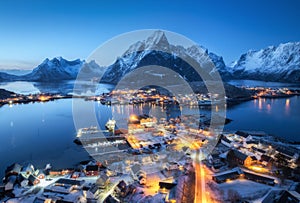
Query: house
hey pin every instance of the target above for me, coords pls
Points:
(93, 194)
(23, 181)
(266, 160)
(170, 190)
(76, 174)
(65, 181)
(258, 151)
(171, 196)
(2, 189)
(172, 166)
(43, 200)
(111, 199)
(135, 169)
(33, 180)
(28, 170)
(225, 141)
(257, 133)
(253, 159)
(11, 180)
(281, 196)
(216, 161)
(226, 176)
(65, 186)
(244, 135)
(102, 181)
(13, 169)
(122, 189)
(92, 170)
(250, 143)
(142, 180)
(40, 174)
(61, 172)
(142, 177)
(287, 152)
(236, 157)
(166, 185)
(259, 178)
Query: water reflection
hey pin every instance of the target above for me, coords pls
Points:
(267, 104)
(268, 108)
(20, 87)
(260, 104)
(287, 106)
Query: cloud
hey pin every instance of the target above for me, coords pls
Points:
(17, 64)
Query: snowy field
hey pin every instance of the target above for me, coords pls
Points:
(244, 188)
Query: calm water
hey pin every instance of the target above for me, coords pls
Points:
(64, 87)
(280, 117)
(257, 83)
(40, 133)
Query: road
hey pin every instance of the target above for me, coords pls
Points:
(200, 193)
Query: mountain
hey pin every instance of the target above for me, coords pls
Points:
(157, 51)
(54, 70)
(275, 63)
(16, 71)
(4, 94)
(7, 77)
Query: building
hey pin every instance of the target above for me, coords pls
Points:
(11, 181)
(244, 135)
(28, 170)
(92, 170)
(135, 169)
(2, 190)
(65, 186)
(225, 141)
(122, 189)
(33, 180)
(111, 199)
(259, 178)
(93, 193)
(170, 190)
(23, 181)
(266, 160)
(235, 157)
(281, 196)
(287, 152)
(233, 175)
(76, 174)
(258, 151)
(40, 174)
(13, 169)
(172, 166)
(250, 143)
(148, 122)
(102, 181)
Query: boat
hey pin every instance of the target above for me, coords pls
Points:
(111, 124)
(89, 130)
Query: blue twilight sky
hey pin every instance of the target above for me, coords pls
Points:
(33, 30)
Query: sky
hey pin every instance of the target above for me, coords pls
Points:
(33, 30)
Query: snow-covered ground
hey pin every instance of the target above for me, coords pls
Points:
(246, 189)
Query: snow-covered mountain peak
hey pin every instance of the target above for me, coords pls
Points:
(156, 41)
(57, 68)
(156, 50)
(274, 63)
